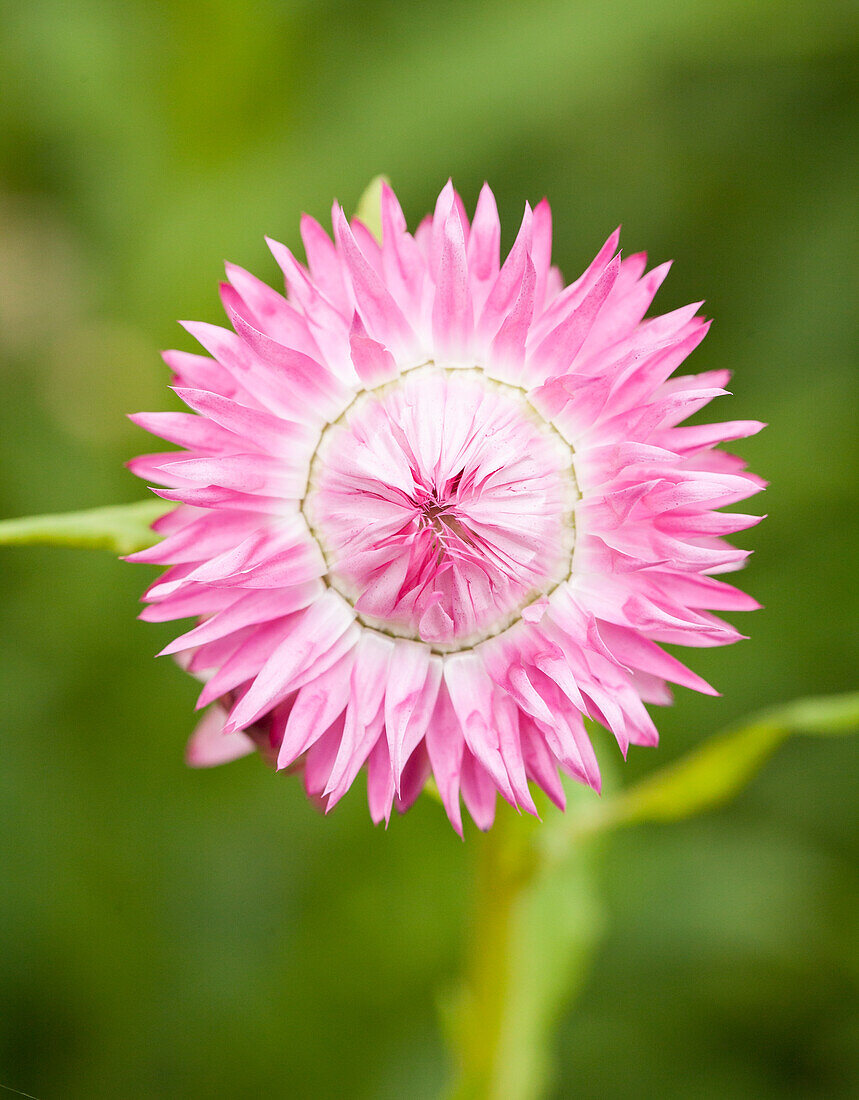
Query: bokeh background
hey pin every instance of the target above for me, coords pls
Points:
(165, 932)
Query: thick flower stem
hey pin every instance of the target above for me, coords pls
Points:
(505, 865)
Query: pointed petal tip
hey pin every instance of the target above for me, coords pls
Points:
(454, 816)
(377, 818)
(558, 799)
(280, 252)
(703, 687)
(486, 193)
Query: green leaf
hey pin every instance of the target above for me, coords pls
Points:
(369, 209)
(120, 528)
(719, 769)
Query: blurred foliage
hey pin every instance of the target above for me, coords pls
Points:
(714, 771)
(175, 933)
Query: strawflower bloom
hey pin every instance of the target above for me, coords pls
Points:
(435, 509)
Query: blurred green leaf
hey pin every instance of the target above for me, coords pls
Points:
(121, 528)
(369, 209)
(719, 769)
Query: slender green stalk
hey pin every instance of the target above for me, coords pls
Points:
(504, 867)
(535, 925)
(119, 528)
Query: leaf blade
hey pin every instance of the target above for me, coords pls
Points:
(714, 772)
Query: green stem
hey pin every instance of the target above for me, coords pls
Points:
(504, 868)
(535, 925)
(120, 528)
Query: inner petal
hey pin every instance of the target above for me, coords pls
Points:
(443, 504)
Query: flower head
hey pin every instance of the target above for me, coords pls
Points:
(437, 509)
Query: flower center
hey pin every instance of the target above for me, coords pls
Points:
(443, 504)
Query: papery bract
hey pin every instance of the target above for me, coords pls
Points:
(435, 509)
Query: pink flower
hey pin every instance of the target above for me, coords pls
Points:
(434, 510)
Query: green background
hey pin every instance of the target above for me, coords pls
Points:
(165, 932)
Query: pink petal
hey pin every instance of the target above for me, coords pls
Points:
(374, 364)
(505, 289)
(445, 744)
(379, 312)
(452, 318)
(318, 704)
(210, 746)
(471, 694)
(559, 348)
(309, 649)
(364, 711)
(485, 238)
(478, 792)
(409, 701)
(380, 782)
